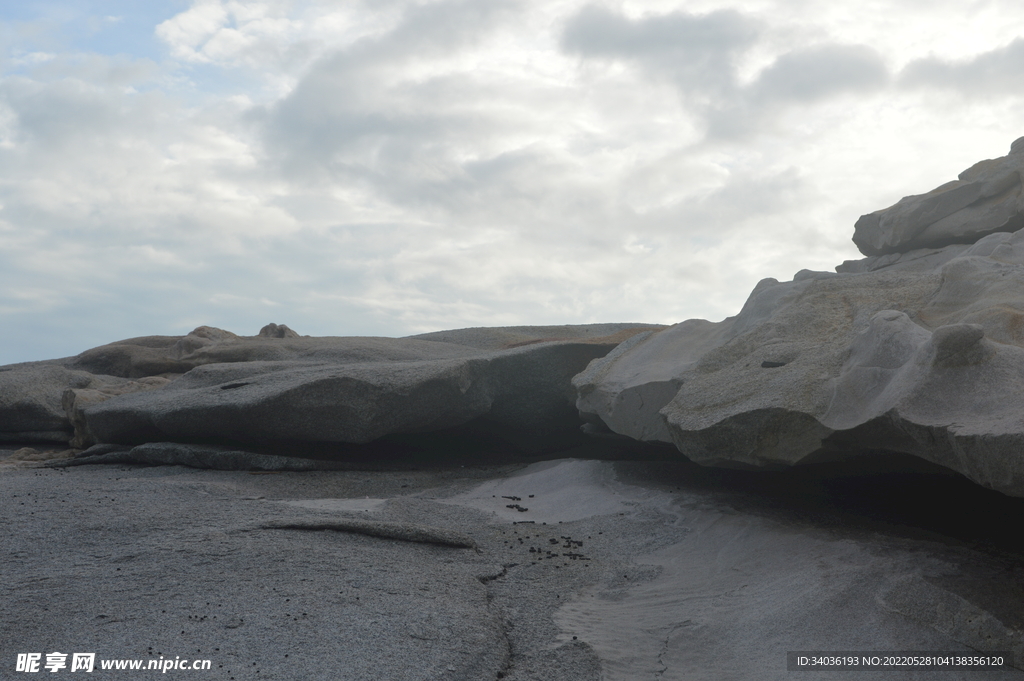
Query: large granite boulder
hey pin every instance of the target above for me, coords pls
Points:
(986, 198)
(919, 352)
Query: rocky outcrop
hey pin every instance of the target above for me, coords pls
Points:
(30, 400)
(277, 331)
(919, 352)
(214, 386)
(518, 392)
(986, 198)
(75, 400)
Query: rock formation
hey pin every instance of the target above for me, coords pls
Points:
(31, 394)
(213, 386)
(986, 198)
(917, 349)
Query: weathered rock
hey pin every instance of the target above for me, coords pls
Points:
(524, 392)
(75, 400)
(505, 337)
(194, 456)
(922, 355)
(987, 198)
(166, 355)
(174, 355)
(30, 457)
(277, 331)
(30, 401)
(411, 380)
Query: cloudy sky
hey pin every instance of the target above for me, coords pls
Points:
(392, 167)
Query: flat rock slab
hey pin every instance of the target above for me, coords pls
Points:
(662, 575)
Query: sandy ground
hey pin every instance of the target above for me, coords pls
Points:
(573, 569)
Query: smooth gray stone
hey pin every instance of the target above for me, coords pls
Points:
(97, 450)
(160, 355)
(157, 355)
(504, 337)
(986, 199)
(36, 436)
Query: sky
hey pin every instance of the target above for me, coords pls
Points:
(393, 167)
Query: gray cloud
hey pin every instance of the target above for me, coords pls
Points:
(352, 112)
(696, 51)
(41, 111)
(699, 53)
(820, 72)
(595, 30)
(1000, 71)
(796, 79)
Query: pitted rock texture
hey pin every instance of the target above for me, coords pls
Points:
(922, 354)
(987, 198)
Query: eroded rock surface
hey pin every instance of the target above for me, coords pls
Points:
(986, 198)
(31, 408)
(520, 391)
(919, 352)
(213, 385)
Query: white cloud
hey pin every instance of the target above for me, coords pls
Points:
(998, 72)
(410, 165)
(187, 32)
